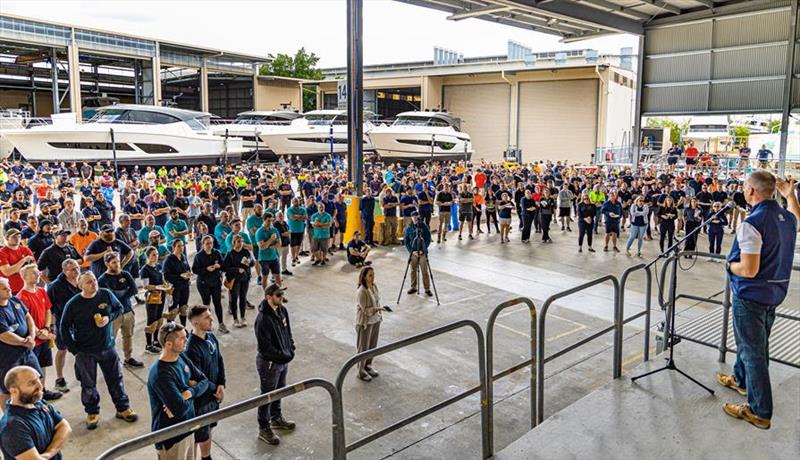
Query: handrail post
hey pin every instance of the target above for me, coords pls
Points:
(726, 314)
(617, 361)
(671, 304)
(490, 361)
(647, 304)
(623, 282)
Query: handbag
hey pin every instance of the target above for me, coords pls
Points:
(229, 283)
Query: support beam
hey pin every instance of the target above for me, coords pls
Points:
(706, 3)
(665, 6)
(477, 12)
(355, 94)
(156, 64)
(581, 14)
(636, 136)
(787, 89)
(73, 54)
(616, 8)
(204, 87)
(54, 81)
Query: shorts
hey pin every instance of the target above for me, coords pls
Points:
(464, 216)
(691, 161)
(270, 266)
(321, 244)
(296, 239)
(43, 354)
(27, 359)
(505, 221)
(564, 212)
(204, 434)
(59, 342)
(612, 227)
(672, 160)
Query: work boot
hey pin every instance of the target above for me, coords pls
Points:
(92, 420)
(428, 293)
(281, 423)
(412, 291)
(48, 395)
(266, 435)
(128, 415)
(134, 363)
(742, 411)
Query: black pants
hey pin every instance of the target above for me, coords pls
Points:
(369, 225)
(521, 217)
(476, 218)
(715, 239)
(666, 228)
(584, 229)
(237, 298)
(180, 298)
(491, 216)
(212, 294)
(527, 221)
(537, 222)
(426, 217)
(691, 242)
(546, 218)
(271, 376)
(86, 364)
(154, 312)
(649, 218)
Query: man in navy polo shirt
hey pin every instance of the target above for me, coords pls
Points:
(760, 266)
(18, 337)
(31, 428)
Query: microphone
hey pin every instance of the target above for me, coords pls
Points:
(729, 205)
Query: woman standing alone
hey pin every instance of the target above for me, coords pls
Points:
(368, 320)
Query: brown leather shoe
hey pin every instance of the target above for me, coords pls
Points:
(742, 411)
(730, 382)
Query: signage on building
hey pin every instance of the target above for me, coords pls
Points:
(341, 91)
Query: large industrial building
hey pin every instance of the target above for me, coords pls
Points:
(47, 68)
(565, 105)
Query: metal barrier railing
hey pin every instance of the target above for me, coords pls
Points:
(425, 412)
(621, 311)
(190, 426)
(490, 361)
(540, 336)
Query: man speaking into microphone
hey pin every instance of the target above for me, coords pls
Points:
(760, 266)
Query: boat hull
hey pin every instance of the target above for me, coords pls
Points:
(311, 141)
(135, 145)
(408, 144)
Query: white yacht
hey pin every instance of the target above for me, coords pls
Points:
(143, 135)
(11, 119)
(422, 136)
(249, 125)
(317, 133)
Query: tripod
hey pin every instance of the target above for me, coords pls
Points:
(674, 251)
(418, 242)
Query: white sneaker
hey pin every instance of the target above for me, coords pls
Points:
(237, 323)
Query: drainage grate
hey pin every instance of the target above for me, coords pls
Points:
(784, 341)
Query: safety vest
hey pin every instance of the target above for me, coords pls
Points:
(778, 229)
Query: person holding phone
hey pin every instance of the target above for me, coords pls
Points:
(368, 320)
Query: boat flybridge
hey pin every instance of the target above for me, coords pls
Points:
(140, 134)
(422, 136)
(316, 134)
(249, 125)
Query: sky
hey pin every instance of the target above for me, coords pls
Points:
(393, 31)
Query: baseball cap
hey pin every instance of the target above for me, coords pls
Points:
(63, 232)
(273, 289)
(414, 213)
(154, 233)
(45, 222)
(11, 232)
(268, 214)
(107, 228)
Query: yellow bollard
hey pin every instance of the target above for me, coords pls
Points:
(353, 218)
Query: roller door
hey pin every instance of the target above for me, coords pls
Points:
(484, 113)
(558, 120)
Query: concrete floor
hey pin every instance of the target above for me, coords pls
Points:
(667, 416)
(472, 278)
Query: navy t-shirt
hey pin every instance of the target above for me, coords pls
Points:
(410, 201)
(12, 319)
(99, 246)
(23, 429)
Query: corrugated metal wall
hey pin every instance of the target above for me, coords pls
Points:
(727, 64)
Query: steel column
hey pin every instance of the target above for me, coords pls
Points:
(787, 89)
(54, 84)
(355, 94)
(636, 137)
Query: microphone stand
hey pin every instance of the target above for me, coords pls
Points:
(674, 251)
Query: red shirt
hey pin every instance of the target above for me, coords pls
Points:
(691, 152)
(480, 179)
(38, 304)
(9, 256)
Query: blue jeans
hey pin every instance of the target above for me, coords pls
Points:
(86, 372)
(272, 376)
(752, 324)
(637, 233)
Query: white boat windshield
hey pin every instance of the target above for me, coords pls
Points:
(325, 119)
(709, 128)
(420, 121)
(254, 119)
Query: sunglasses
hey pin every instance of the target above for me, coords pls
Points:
(170, 327)
(278, 294)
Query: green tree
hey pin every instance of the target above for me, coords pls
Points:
(741, 133)
(301, 65)
(676, 130)
(774, 126)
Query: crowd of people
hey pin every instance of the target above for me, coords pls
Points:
(83, 246)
